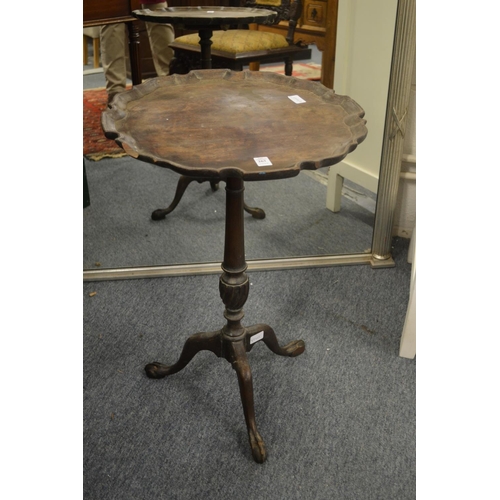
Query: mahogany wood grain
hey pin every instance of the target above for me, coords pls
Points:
(99, 12)
(213, 123)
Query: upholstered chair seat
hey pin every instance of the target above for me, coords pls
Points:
(238, 41)
(245, 45)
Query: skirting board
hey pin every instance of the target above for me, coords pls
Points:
(254, 265)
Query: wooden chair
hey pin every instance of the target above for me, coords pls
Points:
(235, 48)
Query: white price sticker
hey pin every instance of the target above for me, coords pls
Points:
(262, 161)
(296, 99)
(257, 337)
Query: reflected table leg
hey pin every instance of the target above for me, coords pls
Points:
(183, 183)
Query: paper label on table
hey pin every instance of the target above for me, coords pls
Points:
(210, 11)
(257, 337)
(262, 161)
(296, 99)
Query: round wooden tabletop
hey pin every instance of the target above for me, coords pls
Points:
(205, 16)
(219, 123)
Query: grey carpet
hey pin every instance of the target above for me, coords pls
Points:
(338, 421)
(119, 232)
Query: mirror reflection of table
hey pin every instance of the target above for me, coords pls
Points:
(205, 20)
(222, 125)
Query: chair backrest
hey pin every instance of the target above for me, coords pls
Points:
(287, 10)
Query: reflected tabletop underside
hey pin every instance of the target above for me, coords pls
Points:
(220, 123)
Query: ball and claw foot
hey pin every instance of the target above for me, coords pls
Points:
(294, 348)
(259, 453)
(159, 214)
(255, 212)
(156, 370)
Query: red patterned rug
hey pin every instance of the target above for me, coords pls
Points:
(95, 145)
(309, 71)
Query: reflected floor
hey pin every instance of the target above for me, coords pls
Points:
(119, 232)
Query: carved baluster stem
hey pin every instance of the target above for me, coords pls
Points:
(233, 284)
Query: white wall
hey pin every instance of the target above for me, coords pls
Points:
(365, 38)
(363, 56)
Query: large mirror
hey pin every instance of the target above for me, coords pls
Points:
(340, 215)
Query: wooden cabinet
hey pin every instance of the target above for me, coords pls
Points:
(97, 12)
(318, 26)
(314, 13)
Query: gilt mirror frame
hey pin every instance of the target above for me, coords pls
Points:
(389, 175)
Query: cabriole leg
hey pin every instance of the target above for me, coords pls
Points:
(194, 344)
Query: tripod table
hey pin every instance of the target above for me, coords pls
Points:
(222, 125)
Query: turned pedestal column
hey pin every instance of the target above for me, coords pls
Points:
(234, 340)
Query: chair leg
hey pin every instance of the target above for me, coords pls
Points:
(254, 66)
(288, 66)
